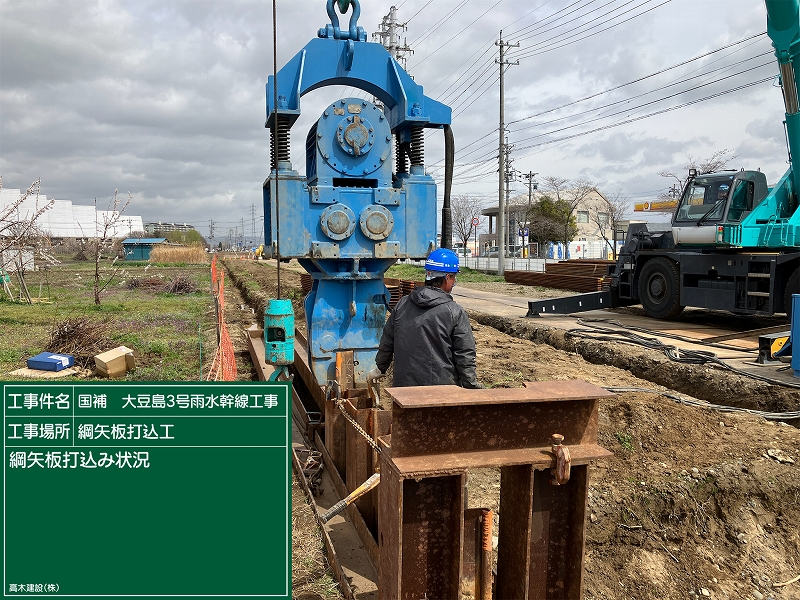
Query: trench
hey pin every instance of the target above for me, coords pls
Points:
(698, 381)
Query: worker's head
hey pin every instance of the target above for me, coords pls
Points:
(722, 193)
(441, 268)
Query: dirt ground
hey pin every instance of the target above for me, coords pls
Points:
(694, 503)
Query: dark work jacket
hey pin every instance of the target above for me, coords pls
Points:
(431, 340)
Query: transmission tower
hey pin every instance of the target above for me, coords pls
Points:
(389, 37)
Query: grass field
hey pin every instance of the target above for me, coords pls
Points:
(412, 273)
(165, 330)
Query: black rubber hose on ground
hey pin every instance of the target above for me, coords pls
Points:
(449, 159)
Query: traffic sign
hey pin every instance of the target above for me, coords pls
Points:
(523, 232)
(476, 221)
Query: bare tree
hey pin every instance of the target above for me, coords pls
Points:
(17, 222)
(716, 162)
(606, 212)
(106, 224)
(21, 233)
(570, 195)
(463, 210)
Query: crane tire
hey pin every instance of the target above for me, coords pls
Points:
(792, 287)
(659, 289)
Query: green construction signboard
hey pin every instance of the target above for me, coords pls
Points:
(147, 490)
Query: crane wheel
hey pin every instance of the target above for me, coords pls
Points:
(792, 287)
(659, 289)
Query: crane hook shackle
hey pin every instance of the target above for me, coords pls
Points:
(353, 32)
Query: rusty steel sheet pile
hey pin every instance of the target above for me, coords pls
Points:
(438, 433)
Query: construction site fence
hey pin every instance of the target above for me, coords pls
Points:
(223, 366)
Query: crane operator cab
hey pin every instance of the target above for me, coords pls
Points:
(712, 200)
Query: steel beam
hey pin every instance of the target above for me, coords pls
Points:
(437, 434)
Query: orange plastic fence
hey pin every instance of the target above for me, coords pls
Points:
(223, 367)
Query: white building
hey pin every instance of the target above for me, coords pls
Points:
(67, 220)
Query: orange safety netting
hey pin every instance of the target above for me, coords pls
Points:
(223, 367)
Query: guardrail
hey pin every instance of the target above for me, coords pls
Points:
(489, 265)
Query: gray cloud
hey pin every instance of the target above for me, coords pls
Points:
(166, 98)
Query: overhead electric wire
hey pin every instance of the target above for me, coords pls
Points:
(462, 75)
(458, 34)
(637, 80)
(552, 29)
(658, 112)
(542, 22)
(565, 35)
(584, 37)
(419, 11)
(533, 10)
(626, 110)
(427, 33)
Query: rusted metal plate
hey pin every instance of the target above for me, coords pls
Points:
(513, 556)
(491, 426)
(432, 465)
(557, 537)
(363, 532)
(431, 539)
(359, 460)
(390, 494)
(382, 424)
(255, 343)
(470, 557)
(535, 391)
(336, 437)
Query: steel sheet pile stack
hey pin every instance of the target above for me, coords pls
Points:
(305, 282)
(580, 275)
(395, 291)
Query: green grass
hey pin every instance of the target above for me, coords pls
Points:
(412, 273)
(625, 440)
(161, 328)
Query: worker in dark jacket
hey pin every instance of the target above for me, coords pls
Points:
(428, 333)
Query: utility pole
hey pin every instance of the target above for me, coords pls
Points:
(253, 218)
(510, 176)
(501, 218)
(211, 229)
(532, 185)
(388, 35)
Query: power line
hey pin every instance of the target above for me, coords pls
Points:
(459, 33)
(514, 34)
(663, 87)
(427, 33)
(659, 72)
(596, 32)
(419, 11)
(652, 114)
(535, 33)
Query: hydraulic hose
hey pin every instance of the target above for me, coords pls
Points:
(592, 331)
(449, 159)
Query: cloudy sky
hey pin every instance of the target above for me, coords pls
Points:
(165, 99)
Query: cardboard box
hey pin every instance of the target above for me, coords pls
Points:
(114, 363)
(47, 361)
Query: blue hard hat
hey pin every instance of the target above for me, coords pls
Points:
(443, 260)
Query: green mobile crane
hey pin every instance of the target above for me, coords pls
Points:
(734, 243)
